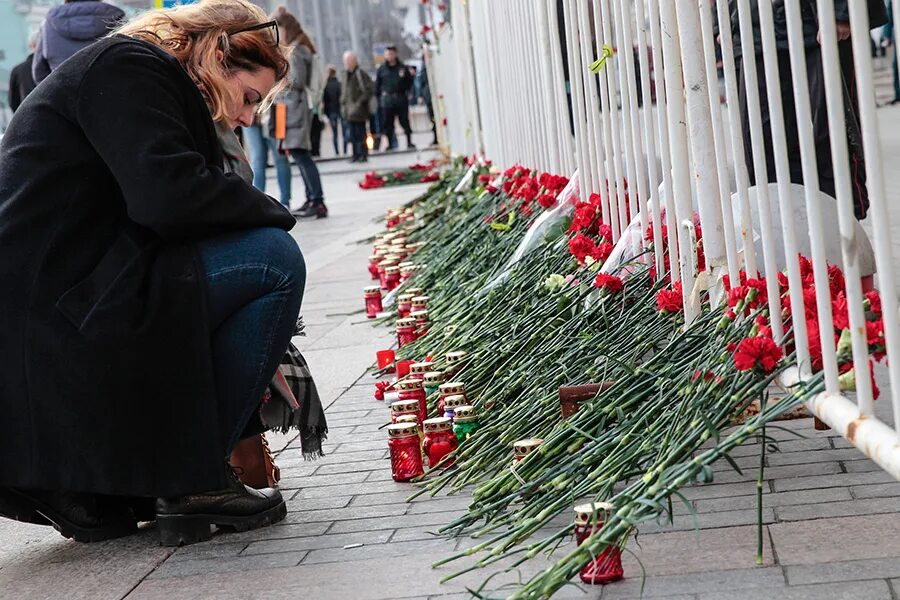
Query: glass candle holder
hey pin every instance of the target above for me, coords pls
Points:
(418, 370)
(439, 441)
(406, 451)
(404, 305)
(455, 361)
(465, 422)
(419, 303)
(523, 448)
(406, 332)
(421, 318)
(373, 301)
(451, 388)
(404, 407)
(451, 403)
(414, 419)
(412, 390)
(382, 272)
(373, 266)
(607, 567)
(400, 240)
(392, 277)
(432, 380)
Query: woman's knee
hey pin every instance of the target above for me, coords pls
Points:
(283, 254)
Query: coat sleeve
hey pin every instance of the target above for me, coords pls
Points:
(14, 98)
(132, 111)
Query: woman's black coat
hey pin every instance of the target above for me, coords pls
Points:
(109, 172)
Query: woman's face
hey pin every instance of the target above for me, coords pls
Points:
(248, 88)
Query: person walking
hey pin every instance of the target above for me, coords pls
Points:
(392, 83)
(331, 103)
(70, 27)
(357, 92)
(135, 268)
(299, 116)
(259, 147)
(21, 81)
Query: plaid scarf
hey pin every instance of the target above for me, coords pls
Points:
(292, 402)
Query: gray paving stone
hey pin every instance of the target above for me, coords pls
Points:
(769, 580)
(382, 474)
(411, 534)
(318, 542)
(207, 550)
(786, 446)
(837, 540)
(786, 472)
(834, 480)
(866, 506)
(881, 490)
(851, 570)
(794, 458)
(329, 502)
(368, 465)
(290, 483)
(454, 503)
(769, 499)
(231, 565)
(374, 524)
(856, 590)
(731, 518)
(373, 487)
(860, 466)
(344, 514)
(433, 548)
(385, 498)
(714, 490)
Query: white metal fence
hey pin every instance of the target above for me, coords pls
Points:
(659, 132)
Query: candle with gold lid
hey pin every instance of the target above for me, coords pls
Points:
(439, 441)
(405, 450)
(607, 567)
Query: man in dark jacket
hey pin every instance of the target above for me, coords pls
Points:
(392, 84)
(21, 82)
(815, 76)
(70, 27)
(356, 93)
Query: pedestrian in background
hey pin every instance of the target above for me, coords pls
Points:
(70, 27)
(331, 104)
(135, 267)
(392, 84)
(424, 96)
(299, 115)
(21, 81)
(357, 92)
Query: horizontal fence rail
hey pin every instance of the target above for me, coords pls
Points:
(717, 113)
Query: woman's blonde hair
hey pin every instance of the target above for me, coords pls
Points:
(195, 34)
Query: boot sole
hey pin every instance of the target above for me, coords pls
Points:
(182, 530)
(30, 510)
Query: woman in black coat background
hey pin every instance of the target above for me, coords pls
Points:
(146, 297)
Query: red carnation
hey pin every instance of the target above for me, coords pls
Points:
(840, 311)
(484, 179)
(546, 201)
(670, 301)
(380, 387)
(759, 353)
(433, 176)
(581, 246)
(874, 302)
(610, 282)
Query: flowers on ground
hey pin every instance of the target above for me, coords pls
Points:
(670, 300)
(761, 354)
(608, 282)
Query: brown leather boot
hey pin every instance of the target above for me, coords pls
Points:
(252, 461)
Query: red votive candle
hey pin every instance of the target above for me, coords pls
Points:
(607, 567)
(439, 441)
(406, 453)
(373, 301)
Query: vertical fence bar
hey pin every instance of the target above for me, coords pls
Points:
(547, 81)
(649, 137)
(678, 145)
(662, 126)
(575, 91)
(623, 55)
(567, 143)
(846, 219)
(715, 106)
(786, 201)
(590, 99)
(742, 177)
(612, 113)
(751, 85)
(608, 204)
(881, 224)
(700, 134)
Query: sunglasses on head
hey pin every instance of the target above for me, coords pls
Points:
(267, 25)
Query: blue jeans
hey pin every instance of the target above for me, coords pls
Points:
(255, 282)
(310, 174)
(334, 119)
(259, 147)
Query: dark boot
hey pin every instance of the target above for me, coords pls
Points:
(81, 517)
(319, 211)
(302, 209)
(189, 519)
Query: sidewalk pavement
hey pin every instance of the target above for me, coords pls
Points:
(831, 516)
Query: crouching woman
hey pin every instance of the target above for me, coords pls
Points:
(146, 295)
